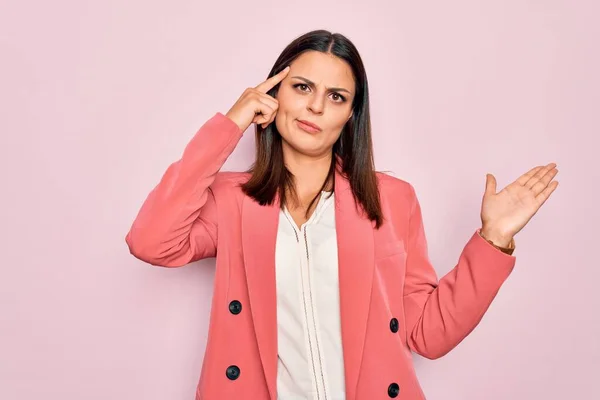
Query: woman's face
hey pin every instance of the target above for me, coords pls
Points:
(315, 102)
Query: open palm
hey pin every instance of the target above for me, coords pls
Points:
(505, 213)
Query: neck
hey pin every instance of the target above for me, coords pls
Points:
(309, 171)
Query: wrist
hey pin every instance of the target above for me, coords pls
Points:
(496, 238)
(233, 118)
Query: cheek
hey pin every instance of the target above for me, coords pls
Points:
(280, 122)
(290, 108)
(338, 120)
(288, 100)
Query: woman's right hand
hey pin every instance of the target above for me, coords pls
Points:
(255, 105)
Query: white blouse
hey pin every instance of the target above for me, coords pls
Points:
(310, 363)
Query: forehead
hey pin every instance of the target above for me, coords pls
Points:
(323, 69)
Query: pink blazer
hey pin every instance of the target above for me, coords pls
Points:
(392, 302)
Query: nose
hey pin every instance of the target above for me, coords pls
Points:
(316, 104)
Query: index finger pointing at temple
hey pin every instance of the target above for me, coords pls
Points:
(273, 81)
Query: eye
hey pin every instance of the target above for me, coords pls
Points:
(338, 97)
(302, 86)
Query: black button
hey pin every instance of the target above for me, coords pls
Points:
(394, 325)
(235, 307)
(233, 372)
(393, 390)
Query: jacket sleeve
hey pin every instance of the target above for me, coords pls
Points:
(439, 315)
(177, 223)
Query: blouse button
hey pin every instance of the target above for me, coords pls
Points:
(394, 325)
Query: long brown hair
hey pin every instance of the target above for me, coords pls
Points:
(354, 146)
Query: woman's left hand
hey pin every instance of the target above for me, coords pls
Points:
(505, 213)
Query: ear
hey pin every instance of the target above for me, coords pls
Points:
(351, 114)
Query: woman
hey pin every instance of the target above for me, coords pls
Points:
(323, 285)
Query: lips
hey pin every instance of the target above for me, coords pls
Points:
(309, 126)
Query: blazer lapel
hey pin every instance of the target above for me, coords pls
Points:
(355, 270)
(259, 236)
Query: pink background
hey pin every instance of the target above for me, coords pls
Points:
(97, 98)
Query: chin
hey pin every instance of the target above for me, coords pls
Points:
(306, 146)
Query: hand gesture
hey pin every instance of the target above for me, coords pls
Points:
(255, 105)
(505, 213)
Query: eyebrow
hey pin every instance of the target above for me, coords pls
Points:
(313, 84)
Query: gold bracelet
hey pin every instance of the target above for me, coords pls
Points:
(507, 250)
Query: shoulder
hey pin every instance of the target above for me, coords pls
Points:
(228, 181)
(396, 187)
(398, 196)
